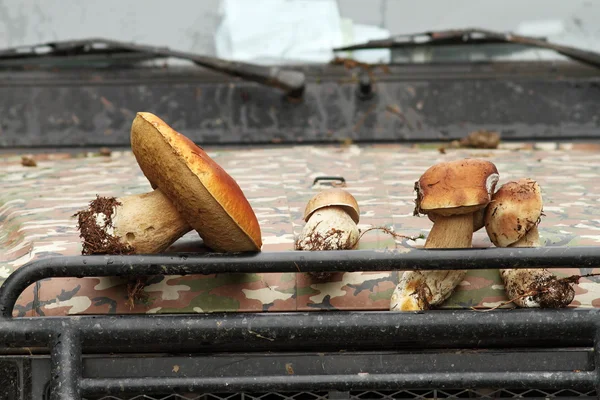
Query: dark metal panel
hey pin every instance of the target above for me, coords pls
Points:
(232, 366)
(432, 104)
(40, 376)
(344, 363)
(312, 331)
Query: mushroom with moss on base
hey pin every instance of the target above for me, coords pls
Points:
(454, 192)
(511, 220)
(138, 224)
(331, 217)
(203, 193)
(191, 191)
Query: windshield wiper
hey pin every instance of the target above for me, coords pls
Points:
(291, 82)
(474, 36)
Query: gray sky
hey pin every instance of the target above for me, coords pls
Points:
(189, 25)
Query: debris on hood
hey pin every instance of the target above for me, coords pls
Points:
(454, 191)
(481, 139)
(350, 63)
(511, 220)
(28, 161)
(105, 152)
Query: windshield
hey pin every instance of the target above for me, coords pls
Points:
(303, 31)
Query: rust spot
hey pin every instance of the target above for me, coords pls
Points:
(289, 369)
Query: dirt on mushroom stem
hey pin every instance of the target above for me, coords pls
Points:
(536, 287)
(420, 290)
(317, 241)
(98, 240)
(137, 224)
(511, 220)
(328, 228)
(95, 234)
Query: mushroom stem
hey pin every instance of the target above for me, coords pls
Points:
(548, 291)
(328, 228)
(451, 232)
(419, 290)
(138, 224)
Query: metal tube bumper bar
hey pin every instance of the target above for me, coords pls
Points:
(557, 380)
(294, 261)
(273, 333)
(69, 340)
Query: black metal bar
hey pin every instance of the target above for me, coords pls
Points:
(549, 380)
(294, 261)
(465, 36)
(65, 366)
(314, 331)
(329, 178)
(597, 363)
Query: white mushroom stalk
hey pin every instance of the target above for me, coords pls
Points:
(329, 228)
(452, 193)
(331, 218)
(511, 220)
(138, 224)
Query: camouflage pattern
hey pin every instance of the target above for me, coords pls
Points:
(37, 204)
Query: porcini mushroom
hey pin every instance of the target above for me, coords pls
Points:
(454, 192)
(206, 196)
(511, 220)
(137, 224)
(331, 217)
(191, 191)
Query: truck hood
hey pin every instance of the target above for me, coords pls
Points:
(37, 206)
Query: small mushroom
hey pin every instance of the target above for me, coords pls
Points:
(511, 220)
(191, 191)
(452, 193)
(331, 217)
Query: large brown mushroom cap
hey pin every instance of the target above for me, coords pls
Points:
(333, 197)
(206, 196)
(516, 208)
(456, 187)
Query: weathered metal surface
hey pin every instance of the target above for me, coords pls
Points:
(409, 103)
(37, 204)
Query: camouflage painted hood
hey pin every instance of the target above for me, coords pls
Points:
(37, 204)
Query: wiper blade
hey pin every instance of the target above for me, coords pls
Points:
(292, 82)
(474, 36)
